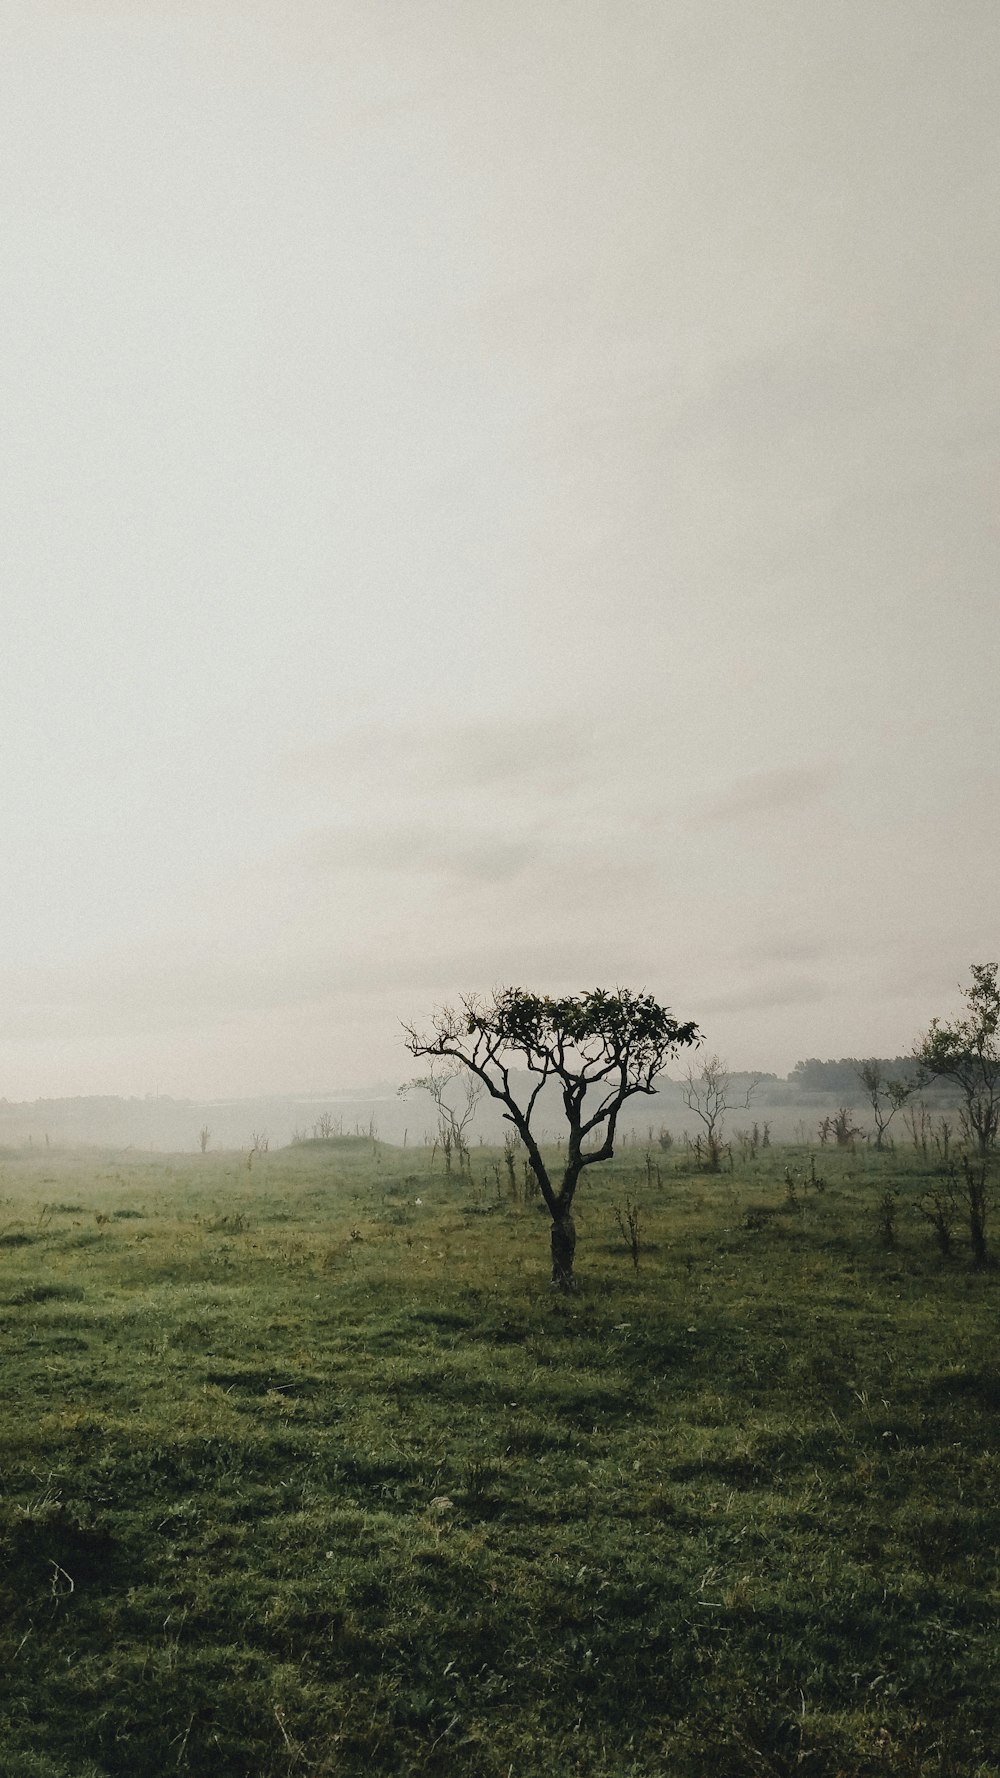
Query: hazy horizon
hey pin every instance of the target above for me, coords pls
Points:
(492, 495)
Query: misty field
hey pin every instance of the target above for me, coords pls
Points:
(306, 1471)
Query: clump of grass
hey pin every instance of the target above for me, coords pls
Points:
(480, 1479)
(48, 1292)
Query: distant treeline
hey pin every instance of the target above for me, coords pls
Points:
(814, 1076)
(816, 1082)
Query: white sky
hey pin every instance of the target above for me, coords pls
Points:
(491, 492)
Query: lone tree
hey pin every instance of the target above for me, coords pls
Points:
(599, 1048)
(710, 1094)
(885, 1095)
(968, 1052)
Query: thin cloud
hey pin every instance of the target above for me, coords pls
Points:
(783, 950)
(765, 793)
(762, 997)
(408, 849)
(186, 988)
(477, 755)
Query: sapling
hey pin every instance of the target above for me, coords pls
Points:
(942, 1138)
(453, 1119)
(977, 1205)
(844, 1131)
(918, 1121)
(885, 1095)
(940, 1208)
(710, 1093)
(629, 1220)
(510, 1147)
(887, 1206)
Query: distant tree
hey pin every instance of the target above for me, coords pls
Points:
(327, 1126)
(260, 1142)
(885, 1095)
(710, 1093)
(967, 1051)
(841, 1077)
(814, 1076)
(453, 1121)
(598, 1047)
(204, 1136)
(842, 1127)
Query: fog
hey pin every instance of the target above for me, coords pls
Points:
(492, 495)
(248, 1130)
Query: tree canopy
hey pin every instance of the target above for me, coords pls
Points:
(967, 1051)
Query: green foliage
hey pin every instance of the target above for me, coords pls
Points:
(886, 1093)
(597, 1024)
(967, 1051)
(601, 1048)
(273, 1499)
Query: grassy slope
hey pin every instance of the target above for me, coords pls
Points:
(734, 1515)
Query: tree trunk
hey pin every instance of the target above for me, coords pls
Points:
(563, 1249)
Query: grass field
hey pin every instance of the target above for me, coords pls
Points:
(304, 1470)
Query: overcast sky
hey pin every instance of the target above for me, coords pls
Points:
(492, 492)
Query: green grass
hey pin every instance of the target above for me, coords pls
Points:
(299, 1475)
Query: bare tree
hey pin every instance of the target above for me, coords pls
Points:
(204, 1135)
(260, 1142)
(598, 1043)
(885, 1095)
(453, 1122)
(710, 1093)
